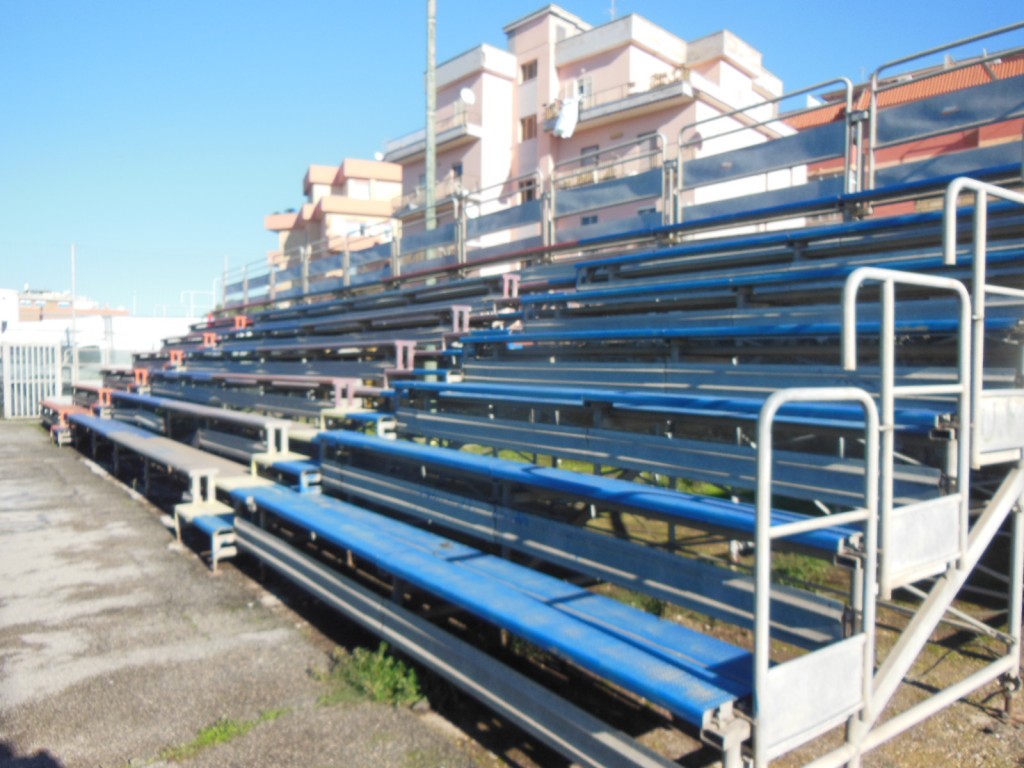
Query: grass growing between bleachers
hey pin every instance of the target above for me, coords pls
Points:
(378, 675)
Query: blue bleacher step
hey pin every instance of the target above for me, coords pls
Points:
(688, 673)
(669, 504)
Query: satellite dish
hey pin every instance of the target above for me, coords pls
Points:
(467, 96)
(378, 156)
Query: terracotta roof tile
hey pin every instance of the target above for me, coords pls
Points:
(922, 87)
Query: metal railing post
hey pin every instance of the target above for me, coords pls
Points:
(889, 391)
(765, 533)
(875, 89)
(979, 288)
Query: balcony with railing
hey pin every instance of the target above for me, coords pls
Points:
(444, 191)
(631, 98)
(456, 123)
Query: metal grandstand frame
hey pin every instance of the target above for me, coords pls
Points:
(877, 86)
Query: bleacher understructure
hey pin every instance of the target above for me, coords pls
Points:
(582, 469)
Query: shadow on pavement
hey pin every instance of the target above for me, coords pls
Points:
(42, 759)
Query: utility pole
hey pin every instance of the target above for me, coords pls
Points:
(431, 147)
(74, 322)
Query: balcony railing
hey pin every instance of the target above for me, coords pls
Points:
(445, 189)
(617, 93)
(458, 115)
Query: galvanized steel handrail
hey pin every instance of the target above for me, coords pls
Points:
(683, 144)
(889, 390)
(876, 87)
(766, 533)
(979, 288)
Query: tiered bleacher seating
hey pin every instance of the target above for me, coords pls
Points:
(663, 420)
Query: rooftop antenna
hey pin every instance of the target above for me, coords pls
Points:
(611, 11)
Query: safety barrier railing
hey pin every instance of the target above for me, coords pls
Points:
(605, 177)
(781, 146)
(835, 681)
(945, 119)
(998, 416)
(942, 523)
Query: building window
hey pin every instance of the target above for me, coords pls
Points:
(585, 91)
(528, 128)
(457, 170)
(527, 191)
(589, 155)
(528, 71)
(589, 220)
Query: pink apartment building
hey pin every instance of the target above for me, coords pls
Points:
(569, 105)
(562, 135)
(345, 208)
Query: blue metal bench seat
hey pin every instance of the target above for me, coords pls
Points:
(844, 236)
(221, 531)
(937, 325)
(674, 506)
(688, 673)
(919, 420)
(342, 319)
(305, 475)
(775, 275)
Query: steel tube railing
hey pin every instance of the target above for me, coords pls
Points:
(889, 390)
(979, 289)
(765, 533)
(876, 88)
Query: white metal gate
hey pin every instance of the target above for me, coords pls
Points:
(30, 373)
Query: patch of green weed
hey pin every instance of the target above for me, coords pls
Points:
(378, 675)
(220, 732)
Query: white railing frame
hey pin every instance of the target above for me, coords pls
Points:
(766, 533)
(979, 288)
(889, 391)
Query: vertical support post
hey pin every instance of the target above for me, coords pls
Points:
(305, 254)
(346, 263)
(1015, 590)
(548, 221)
(5, 374)
(461, 225)
(431, 127)
(74, 321)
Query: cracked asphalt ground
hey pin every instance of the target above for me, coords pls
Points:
(117, 645)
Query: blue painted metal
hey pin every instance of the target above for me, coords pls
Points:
(966, 108)
(917, 419)
(608, 193)
(812, 145)
(305, 474)
(684, 671)
(785, 274)
(623, 494)
(915, 327)
(516, 216)
(212, 525)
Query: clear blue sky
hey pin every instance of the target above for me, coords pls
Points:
(155, 135)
